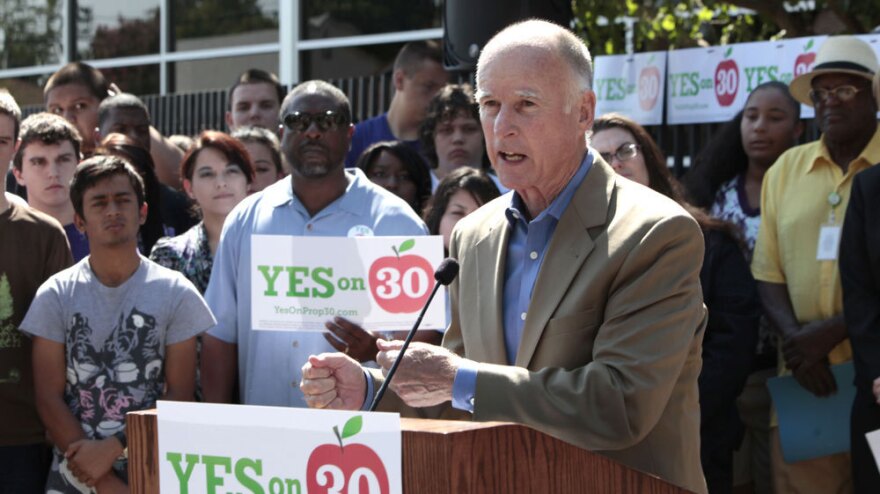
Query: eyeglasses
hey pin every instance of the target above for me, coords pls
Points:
(842, 93)
(328, 120)
(624, 153)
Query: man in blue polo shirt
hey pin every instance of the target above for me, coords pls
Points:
(320, 199)
(418, 75)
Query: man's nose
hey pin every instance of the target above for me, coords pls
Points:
(505, 121)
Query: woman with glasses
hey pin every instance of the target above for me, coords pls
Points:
(395, 167)
(728, 291)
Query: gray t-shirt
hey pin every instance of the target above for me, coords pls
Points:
(115, 339)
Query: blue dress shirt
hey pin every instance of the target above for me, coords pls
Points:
(525, 253)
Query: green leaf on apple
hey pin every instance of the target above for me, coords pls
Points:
(728, 52)
(406, 245)
(809, 45)
(650, 60)
(352, 426)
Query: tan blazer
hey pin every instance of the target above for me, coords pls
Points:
(610, 351)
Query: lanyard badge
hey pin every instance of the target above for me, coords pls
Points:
(829, 233)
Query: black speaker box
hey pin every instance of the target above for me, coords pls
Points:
(469, 24)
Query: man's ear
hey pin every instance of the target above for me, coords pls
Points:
(399, 77)
(229, 120)
(587, 109)
(16, 172)
(143, 213)
(79, 222)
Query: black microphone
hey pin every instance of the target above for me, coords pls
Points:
(446, 272)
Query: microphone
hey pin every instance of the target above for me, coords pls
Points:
(446, 272)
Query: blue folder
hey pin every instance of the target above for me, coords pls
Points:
(809, 426)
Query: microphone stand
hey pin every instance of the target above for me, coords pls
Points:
(409, 337)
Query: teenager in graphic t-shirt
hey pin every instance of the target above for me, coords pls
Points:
(112, 334)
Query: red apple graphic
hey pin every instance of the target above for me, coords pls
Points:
(726, 80)
(351, 468)
(804, 62)
(401, 284)
(649, 86)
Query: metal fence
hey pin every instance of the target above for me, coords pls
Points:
(191, 113)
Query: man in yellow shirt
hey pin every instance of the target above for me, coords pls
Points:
(803, 200)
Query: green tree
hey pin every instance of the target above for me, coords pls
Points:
(30, 32)
(203, 18)
(663, 24)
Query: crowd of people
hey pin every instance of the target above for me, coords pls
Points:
(601, 299)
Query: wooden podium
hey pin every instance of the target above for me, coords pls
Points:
(441, 456)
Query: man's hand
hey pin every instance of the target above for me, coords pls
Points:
(89, 459)
(808, 345)
(425, 375)
(817, 379)
(351, 339)
(335, 381)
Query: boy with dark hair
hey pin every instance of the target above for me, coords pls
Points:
(76, 90)
(10, 125)
(418, 75)
(112, 334)
(48, 151)
(126, 114)
(254, 100)
(32, 248)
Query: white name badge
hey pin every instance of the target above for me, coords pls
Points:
(829, 242)
(236, 448)
(380, 283)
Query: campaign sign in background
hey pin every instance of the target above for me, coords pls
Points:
(632, 85)
(215, 449)
(298, 283)
(712, 84)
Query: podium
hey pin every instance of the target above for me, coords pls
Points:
(441, 456)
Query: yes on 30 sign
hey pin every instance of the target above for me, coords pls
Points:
(218, 449)
(381, 283)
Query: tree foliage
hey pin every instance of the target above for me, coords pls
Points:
(203, 18)
(30, 32)
(663, 24)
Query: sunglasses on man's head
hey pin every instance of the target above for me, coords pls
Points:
(328, 120)
(624, 153)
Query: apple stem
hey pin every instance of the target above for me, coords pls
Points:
(394, 248)
(338, 436)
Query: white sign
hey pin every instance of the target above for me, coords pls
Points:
(381, 283)
(632, 85)
(712, 84)
(216, 449)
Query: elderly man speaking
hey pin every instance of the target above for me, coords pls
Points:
(578, 310)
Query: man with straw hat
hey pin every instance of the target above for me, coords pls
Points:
(803, 200)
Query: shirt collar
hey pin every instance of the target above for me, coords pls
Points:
(559, 203)
(281, 193)
(869, 155)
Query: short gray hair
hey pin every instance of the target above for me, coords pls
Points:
(570, 48)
